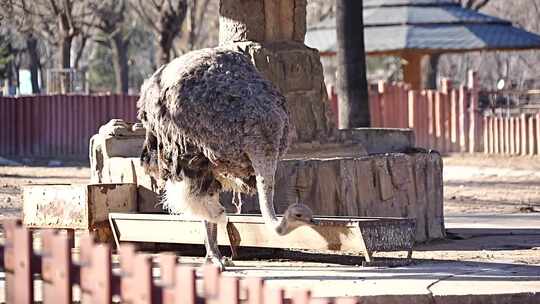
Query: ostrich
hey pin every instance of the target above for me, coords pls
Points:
(213, 124)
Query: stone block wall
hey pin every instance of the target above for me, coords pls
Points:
(386, 185)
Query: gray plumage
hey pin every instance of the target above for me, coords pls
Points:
(203, 112)
(213, 123)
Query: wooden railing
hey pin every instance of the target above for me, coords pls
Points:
(132, 281)
(449, 120)
(512, 135)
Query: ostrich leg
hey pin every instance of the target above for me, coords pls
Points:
(211, 244)
(213, 255)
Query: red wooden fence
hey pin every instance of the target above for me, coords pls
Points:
(134, 282)
(512, 135)
(57, 125)
(449, 120)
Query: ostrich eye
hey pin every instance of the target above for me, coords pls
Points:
(298, 215)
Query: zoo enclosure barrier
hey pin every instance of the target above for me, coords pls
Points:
(58, 125)
(92, 277)
(449, 120)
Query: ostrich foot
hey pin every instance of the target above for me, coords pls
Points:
(220, 262)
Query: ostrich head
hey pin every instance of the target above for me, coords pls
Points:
(295, 216)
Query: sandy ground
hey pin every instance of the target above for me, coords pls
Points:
(473, 185)
(491, 184)
(12, 178)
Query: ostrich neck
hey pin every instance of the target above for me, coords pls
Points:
(265, 188)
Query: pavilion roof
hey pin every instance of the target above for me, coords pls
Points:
(426, 26)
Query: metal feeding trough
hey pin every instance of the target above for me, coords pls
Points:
(344, 234)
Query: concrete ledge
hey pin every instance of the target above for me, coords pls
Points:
(381, 140)
(426, 281)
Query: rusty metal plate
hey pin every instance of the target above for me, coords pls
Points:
(75, 206)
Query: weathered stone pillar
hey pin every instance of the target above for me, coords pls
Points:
(272, 33)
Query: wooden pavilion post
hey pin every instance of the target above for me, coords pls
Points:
(412, 70)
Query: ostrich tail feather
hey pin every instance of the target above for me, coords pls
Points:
(178, 199)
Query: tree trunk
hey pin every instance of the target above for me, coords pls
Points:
(10, 81)
(120, 62)
(351, 60)
(33, 55)
(65, 63)
(164, 47)
(430, 68)
(80, 51)
(65, 52)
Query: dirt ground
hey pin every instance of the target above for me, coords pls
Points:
(473, 185)
(13, 178)
(479, 184)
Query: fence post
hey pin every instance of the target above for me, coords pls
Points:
(486, 135)
(538, 133)
(127, 257)
(47, 265)
(422, 118)
(374, 108)
(531, 137)
(506, 122)
(229, 290)
(211, 275)
(431, 120)
(517, 125)
(501, 134)
(383, 99)
(167, 270)
(454, 136)
(57, 267)
(9, 258)
(473, 109)
(448, 111)
(439, 122)
(413, 116)
(185, 282)
(85, 259)
(463, 125)
(102, 274)
(523, 129)
(96, 271)
(142, 283)
(255, 288)
(496, 134)
(23, 282)
(511, 135)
